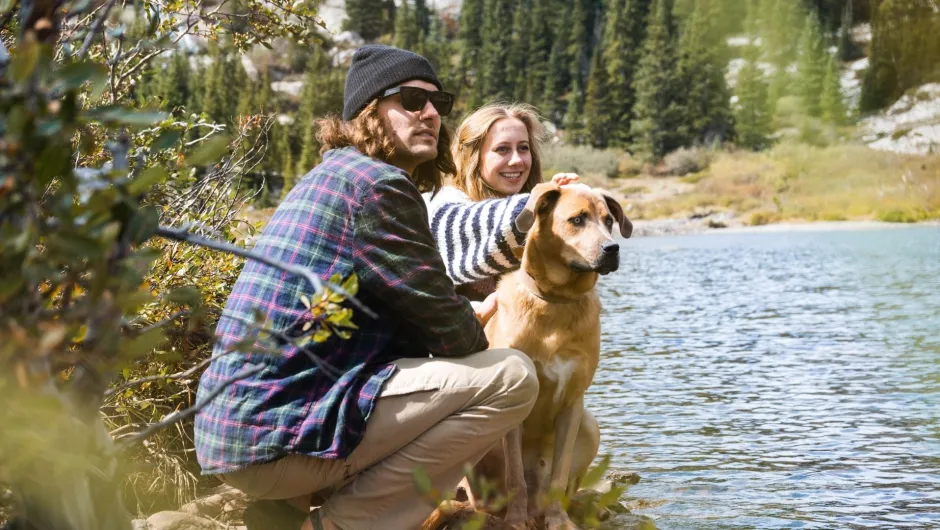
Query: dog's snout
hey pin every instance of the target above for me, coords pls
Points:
(610, 247)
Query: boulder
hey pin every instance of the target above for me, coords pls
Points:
(224, 503)
(180, 521)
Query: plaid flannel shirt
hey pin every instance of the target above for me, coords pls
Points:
(350, 214)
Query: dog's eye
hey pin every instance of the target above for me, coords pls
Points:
(609, 222)
(577, 221)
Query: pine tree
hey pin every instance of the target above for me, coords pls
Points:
(752, 111)
(539, 49)
(658, 111)
(497, 40)
(438, 48)
(368, 18)
(831, 103)
(558, 78)
(288, 169)
(578, 42)
(779, 31)
(701, 71)
(517, 62)
(423, 16)
(597, 104)
(470, 40)
(811, 66)
(174, 86)
(266, 100)
(572, 123)
(848, 50)
(622, 47)
(322, 93)
(407, 32)
(212, 103)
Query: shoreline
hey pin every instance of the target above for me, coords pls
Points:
(712, 226)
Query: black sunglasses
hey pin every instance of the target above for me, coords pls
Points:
(414, 99)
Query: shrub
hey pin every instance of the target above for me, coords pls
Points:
(683, 161)
(583, 160)
(762, 217)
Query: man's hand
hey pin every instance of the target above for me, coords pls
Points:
(562, 179)
(485, 309)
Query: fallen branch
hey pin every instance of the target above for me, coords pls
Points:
(170, 419)
(179, 234)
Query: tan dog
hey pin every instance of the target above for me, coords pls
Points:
(550, 310)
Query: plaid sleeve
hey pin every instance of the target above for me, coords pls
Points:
(396, 258)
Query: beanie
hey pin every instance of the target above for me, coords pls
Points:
(376, 68)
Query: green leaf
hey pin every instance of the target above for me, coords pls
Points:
(186, 295)
(76, 74)
(6, 5)
(166, 140)
(143, 224)
(24, 62)
(209, 152)
(422, 481)
(596, 473)
(120, 115)
(146, 180)
(351, 285)
(144, 344)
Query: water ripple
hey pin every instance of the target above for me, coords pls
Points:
(776, 380)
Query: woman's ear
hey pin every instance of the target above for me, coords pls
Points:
(542, 199)
(626, 227)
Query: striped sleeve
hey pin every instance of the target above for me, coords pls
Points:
(475, 239)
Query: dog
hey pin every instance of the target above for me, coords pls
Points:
(549, 310)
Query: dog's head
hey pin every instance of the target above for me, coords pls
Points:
(576, 224)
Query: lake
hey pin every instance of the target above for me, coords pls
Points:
(775, 380)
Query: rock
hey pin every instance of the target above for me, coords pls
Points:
(624, 477)
(180, 521)
(631, 521)
(224, 503)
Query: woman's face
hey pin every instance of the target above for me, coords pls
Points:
(506, 157)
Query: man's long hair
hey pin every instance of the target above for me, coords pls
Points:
(371, 136)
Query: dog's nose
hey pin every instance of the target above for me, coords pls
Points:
(610, 247)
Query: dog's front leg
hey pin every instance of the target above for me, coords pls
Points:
(517, 513)
(566, 432)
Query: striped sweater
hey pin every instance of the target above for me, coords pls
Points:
(475, 239)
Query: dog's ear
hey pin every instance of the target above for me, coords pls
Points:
(626, 227)
(542, 198)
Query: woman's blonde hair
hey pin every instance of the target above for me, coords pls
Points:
(468, 146)
(370, 135)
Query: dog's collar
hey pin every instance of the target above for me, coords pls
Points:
(531, 286)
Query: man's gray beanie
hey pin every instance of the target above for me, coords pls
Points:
(376, 68)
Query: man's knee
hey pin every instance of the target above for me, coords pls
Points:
(520, 376)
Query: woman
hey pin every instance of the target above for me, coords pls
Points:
(496, 153)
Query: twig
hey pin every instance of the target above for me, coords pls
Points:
(178, 375)
(172, 418)
(156, 325)
(332, 371)
(179, 234)
(94, 30)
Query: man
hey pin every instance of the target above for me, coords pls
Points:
(343, 424)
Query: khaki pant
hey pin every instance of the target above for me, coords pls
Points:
(439, 414)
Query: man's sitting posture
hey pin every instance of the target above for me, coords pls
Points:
(343, 424)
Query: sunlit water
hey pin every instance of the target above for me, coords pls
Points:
(776, 380)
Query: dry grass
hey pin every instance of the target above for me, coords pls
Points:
(798, 181)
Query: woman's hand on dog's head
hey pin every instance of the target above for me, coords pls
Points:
(485, 309)
(561, 179)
